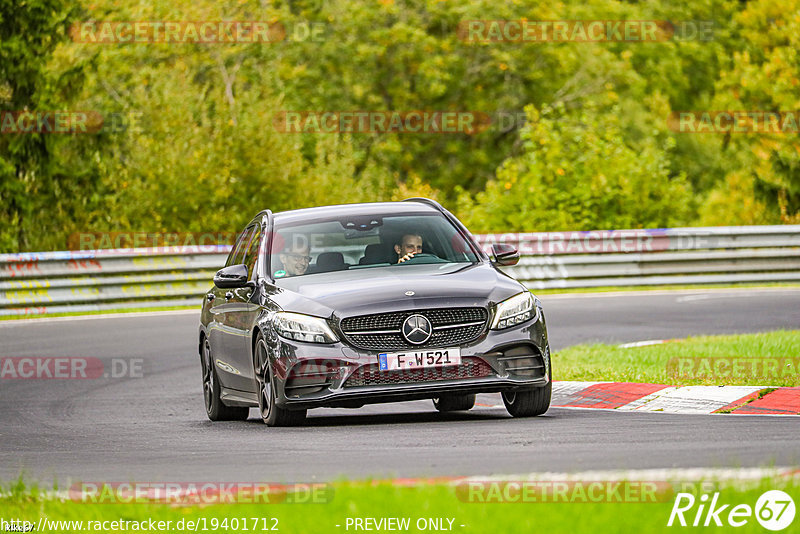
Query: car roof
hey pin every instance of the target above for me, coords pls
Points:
(355, 210)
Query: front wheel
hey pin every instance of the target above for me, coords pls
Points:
(454, 403)
(529, 402)
(271, 413)
(215, 409)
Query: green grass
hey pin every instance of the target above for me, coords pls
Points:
(766, 359)
(436, 500)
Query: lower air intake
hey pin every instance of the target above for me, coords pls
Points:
(371, 375)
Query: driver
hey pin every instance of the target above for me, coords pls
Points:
(295, 258)
(408, 246)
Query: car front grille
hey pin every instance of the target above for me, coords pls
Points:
(371, 375)
(451, 326)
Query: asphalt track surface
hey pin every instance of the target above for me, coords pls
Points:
(154, 428)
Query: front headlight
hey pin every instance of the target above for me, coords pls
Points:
(301, 327)
(515, 310)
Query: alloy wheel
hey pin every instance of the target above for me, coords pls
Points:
(208, 376)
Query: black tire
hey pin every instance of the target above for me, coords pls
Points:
(454, 403)
(215, 409)
(271, 413)
(528, 402)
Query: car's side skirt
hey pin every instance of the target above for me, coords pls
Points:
(234, 397)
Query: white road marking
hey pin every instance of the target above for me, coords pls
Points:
(753, 474)
(643, 401)
(691, 399)
(642, 343)
(567, 388)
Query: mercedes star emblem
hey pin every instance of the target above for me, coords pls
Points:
(417, 329)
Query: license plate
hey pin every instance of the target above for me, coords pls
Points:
(391, 361)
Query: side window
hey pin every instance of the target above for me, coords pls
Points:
(237, 254)
(252, 252)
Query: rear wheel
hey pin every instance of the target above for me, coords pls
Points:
(271, 413)
(455, 403)
(528, 402)
(215, 409)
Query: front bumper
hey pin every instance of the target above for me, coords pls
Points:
(357, 397)
(496, 353)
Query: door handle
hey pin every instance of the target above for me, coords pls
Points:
(228, 295)
(210, 297)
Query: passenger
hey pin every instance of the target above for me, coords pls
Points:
(295, 258)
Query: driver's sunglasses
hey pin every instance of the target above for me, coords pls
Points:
(300, 257)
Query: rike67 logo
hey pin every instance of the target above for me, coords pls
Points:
(774, 510)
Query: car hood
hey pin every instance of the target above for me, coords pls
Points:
(385, 289)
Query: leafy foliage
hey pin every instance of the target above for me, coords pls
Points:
(763, 184)
(199, 151)
(36, 170)
(578, 171)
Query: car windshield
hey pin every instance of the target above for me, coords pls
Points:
(365, 242)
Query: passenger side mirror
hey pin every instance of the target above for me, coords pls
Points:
(505, 254)
(231, 277)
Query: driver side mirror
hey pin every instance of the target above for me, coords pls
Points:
(505, 254)
(231, 277)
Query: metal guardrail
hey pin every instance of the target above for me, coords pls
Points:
(53, 282)
(674, 256)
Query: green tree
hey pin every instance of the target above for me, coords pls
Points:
(204, 156)
(577, 172)
(762, 184)
(45, 180)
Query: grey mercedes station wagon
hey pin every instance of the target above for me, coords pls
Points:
(342, 306)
